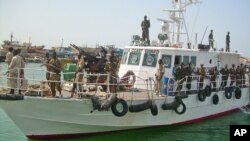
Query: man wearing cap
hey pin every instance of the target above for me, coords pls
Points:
(227, 42)
(225, 73)
(145, 25)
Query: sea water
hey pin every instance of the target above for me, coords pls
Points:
(208, 130)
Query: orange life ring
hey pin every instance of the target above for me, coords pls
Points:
(126, 79)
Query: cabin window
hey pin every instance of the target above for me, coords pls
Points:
(166, 59)
(150, 58)
(185, 60)
(193, 60)
(134, 57)
(124, 57)
(177, 60)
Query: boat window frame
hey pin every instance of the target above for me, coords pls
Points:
(154, 54)
(179, 60)
(193, 61)
(138, 53)
(125, 56)
(167, 63)
(185, 58)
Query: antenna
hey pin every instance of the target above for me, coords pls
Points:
(204, 35)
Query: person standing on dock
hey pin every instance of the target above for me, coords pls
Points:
(145, 25)
(228, 42)
(55, 74)
(211, 39)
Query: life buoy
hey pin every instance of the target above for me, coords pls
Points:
(183, 109)
(237, 93)
(126, 79)
(119, 107)
(215, 99)
(228, 92)
(153, 109)
(201, 95)
(208, 90)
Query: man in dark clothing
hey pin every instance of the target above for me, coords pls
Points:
(211, 39)
(145, 25)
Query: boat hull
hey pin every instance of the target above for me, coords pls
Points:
(42, 118)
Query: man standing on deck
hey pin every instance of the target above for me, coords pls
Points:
(14, 70)
(145, 25)
(228, 42)
(211, 39)
(55, 75)
(225, 74)
(232, 74)
(159, 74)
(201, 73)
(8, 59)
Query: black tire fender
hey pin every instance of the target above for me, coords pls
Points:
(215, 99)
(116, 111)
(228, 92)
(237, 93)
(154, 109)
(208, 90)
(183, 109)
(201, 95)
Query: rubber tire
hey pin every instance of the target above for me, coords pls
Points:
(201, 95)
(208, 90)
(154, 109)
(114, 109)
(215, 99)
(228, 92)
(237, 93)
(183, 110)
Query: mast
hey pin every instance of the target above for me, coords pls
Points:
(177, 20)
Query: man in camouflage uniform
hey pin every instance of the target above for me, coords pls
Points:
(201, 73)
(189, 71)
(213, 72)
(238, 76)
(225, 74)
(180, 77)
(232, 75)
(55, 74)
(242, 75)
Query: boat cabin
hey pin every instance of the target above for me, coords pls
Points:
(143, 60)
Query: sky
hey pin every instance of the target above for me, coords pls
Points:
(52, 22)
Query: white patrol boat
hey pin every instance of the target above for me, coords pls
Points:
(136, 106)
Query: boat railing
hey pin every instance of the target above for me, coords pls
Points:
(114, 84)
(197, 84)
